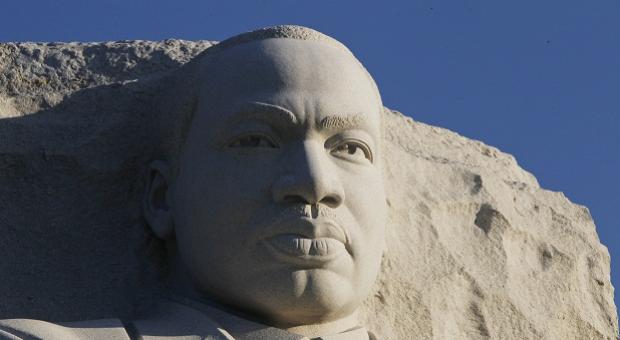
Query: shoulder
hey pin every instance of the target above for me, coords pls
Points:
(37, 329)
(172, 320)
(32, 329)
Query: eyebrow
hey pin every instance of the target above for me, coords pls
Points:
(285, 118)
(262, 111)
(342, 122)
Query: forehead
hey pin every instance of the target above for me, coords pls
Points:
(305, 77)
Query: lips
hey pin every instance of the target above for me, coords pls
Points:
(297, 245)
(306, 241)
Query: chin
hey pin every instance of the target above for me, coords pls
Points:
(309, 297)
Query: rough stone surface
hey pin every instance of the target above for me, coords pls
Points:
(475, 249)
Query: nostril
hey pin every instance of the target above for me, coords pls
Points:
(331, 201)
(294, 199)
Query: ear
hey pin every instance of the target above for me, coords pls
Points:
(156, 203)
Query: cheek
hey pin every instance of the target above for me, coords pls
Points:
(220, 193)
(365, 200)
(242, 183)
(216, 207)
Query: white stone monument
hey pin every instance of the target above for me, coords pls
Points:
(260, 190)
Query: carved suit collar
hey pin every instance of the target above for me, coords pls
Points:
(238, 328)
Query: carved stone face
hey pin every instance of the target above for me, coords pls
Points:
(278, 205)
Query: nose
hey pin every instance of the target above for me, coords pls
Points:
(310, 179)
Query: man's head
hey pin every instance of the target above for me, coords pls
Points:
(277, 203)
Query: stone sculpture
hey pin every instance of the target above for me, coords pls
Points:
(475, 248)
(271, 196)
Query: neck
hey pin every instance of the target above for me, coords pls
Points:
(179, 281)
(326, 328)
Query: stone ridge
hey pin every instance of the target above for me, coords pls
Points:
(39, 68)
(457, 149)
(475, 248)
(38, 75)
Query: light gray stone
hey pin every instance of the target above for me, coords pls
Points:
(475, 248)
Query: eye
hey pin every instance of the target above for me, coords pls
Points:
(252, 141)
(352, 150)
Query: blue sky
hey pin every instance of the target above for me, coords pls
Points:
(537, 79)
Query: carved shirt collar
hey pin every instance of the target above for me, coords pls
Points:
(237, 328)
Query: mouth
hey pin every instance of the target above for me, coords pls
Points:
(307, 242)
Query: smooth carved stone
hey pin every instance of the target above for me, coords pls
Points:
(475, 249)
